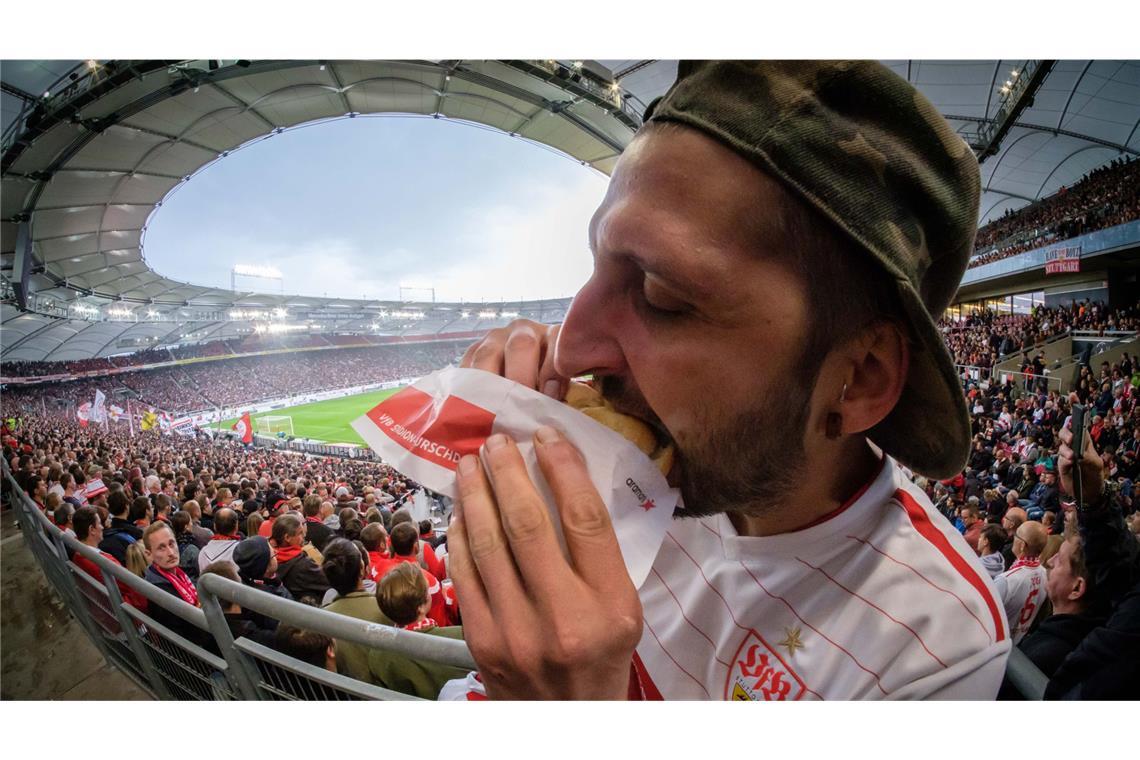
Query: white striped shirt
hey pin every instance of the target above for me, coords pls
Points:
(884, 599)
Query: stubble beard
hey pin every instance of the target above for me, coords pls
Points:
(746, 461)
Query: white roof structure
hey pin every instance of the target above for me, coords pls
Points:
(91, 149)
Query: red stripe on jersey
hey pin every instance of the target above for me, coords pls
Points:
(929, 582)
(878, 609)
(728, 607)
(861, 666)
(674, 659)
(926, 529)
(690, 622)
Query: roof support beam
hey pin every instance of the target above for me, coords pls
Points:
(37, 331)
(1017, 99)
(331, 69)
(1062, 163)
(1123, 148)
(118, 335)
(619, 75)
(1073, 92)
(63, 343)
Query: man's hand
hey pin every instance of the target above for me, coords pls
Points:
(540, 627)
(522, 351)
(1092, 468)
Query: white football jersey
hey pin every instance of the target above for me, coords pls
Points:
(883, 599)
(1021, 589)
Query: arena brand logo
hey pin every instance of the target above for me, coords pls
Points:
(645, 502)
(440, 433)
(759, 674)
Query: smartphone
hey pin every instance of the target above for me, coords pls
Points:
(1077, 425)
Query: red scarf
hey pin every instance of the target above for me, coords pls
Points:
(314, 520)
(422, 625)
(286, 553)
(220, 537)
(182, 584)
(1026, 562)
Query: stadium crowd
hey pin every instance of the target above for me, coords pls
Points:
(984, 338)
(323, 531)
(234, 382)
(331, 531)
(1104, 197)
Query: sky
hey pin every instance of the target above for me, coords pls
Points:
(355, 208)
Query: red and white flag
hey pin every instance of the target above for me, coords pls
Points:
(244, 427)
(83, 413)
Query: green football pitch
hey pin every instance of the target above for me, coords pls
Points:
(325, 420)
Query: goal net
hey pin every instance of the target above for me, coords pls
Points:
(271, 425)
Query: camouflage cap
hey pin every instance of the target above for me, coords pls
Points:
(869, 152)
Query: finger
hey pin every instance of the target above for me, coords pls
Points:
(468, 355)
(526, 521)
(487, 354)
(522, 355)
(469, 590)
(586, 525)
(486, 542)
(549, 381)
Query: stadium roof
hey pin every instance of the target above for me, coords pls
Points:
(91, 149)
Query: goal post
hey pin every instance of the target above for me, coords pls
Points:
(274, 424)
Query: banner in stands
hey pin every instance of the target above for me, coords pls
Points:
(1065, 258)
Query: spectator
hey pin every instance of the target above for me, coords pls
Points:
(1022, 587)
(312, 647)
(1106, 664)
(972, 520)
(403, 597)
(165, 573)
(318, 533)
(89, 531)
(202, 535)
(122, 532)
(61, 516)
(1013, 518)
(225, 539)
(404, 542)
(1069, 584)
(1044, 497)
(345, 569)
(375, 540)
(257, 628)
(425, 554)
(296, 569)
(188, 551)
(990, 541)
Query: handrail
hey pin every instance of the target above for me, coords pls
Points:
(373, 635)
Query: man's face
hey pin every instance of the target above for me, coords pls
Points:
(164, 549)
(1060, 579)
(95, 535)
(690, 321)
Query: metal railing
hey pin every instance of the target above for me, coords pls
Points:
(168, 664)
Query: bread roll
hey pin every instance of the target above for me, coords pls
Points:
(589, 401)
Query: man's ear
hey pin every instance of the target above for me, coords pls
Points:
(1080, 588)
(873, 365)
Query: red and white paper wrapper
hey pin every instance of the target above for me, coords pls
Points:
(425, 429)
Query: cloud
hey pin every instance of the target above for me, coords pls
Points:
(531, 250)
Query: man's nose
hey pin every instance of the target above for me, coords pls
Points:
(587, 341)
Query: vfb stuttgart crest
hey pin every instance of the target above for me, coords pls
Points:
(759, 674)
